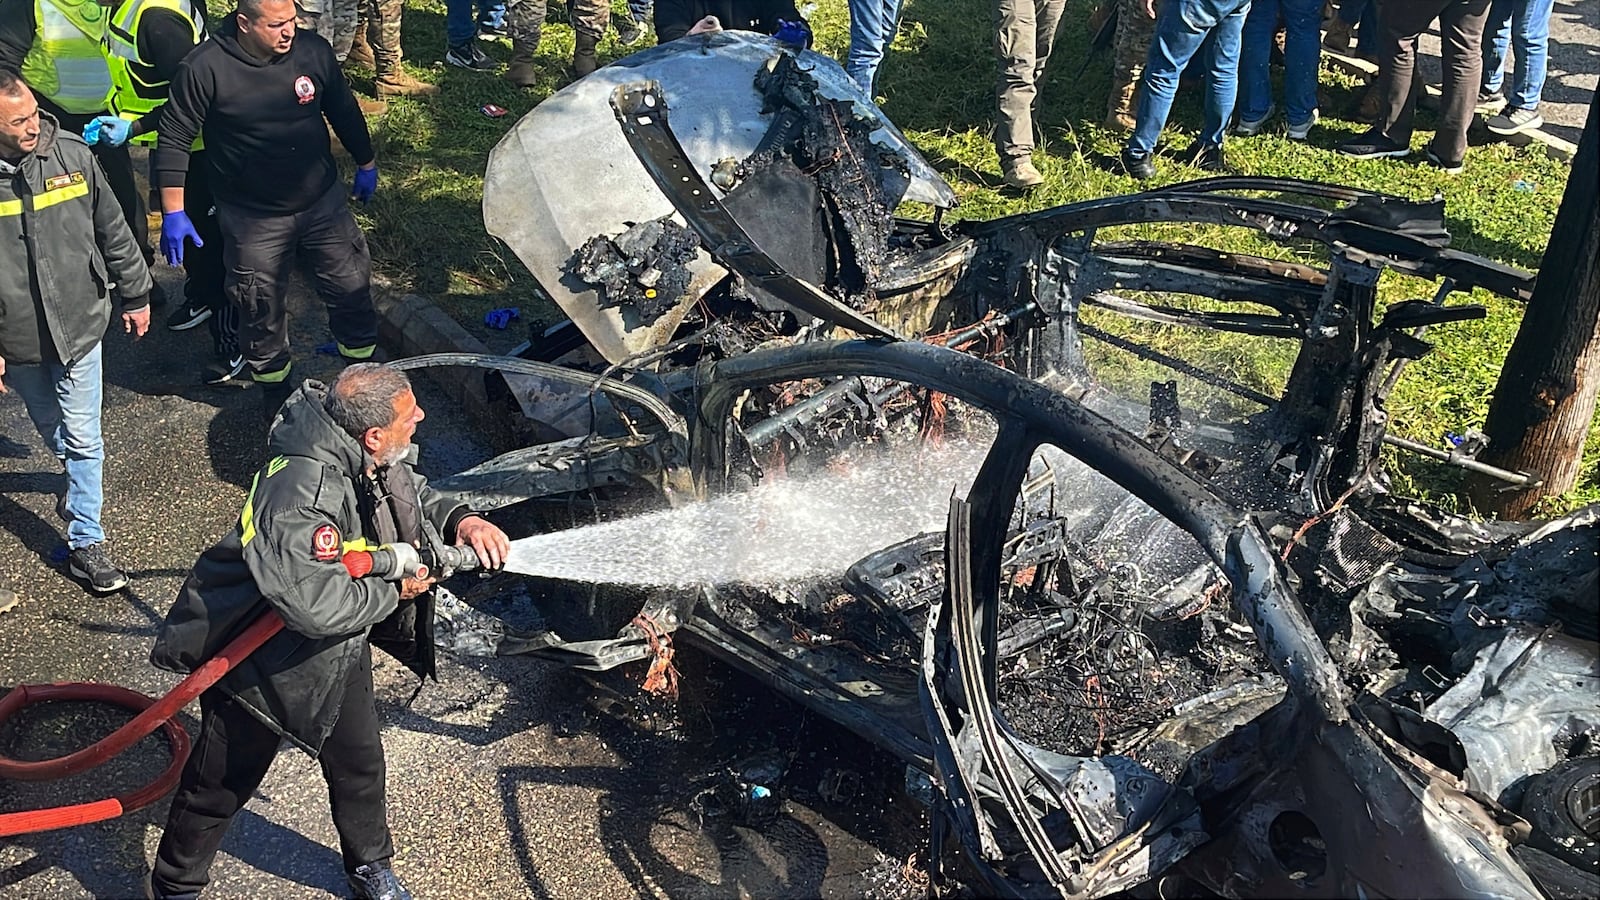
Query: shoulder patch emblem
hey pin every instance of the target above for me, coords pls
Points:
(325, 543)
(61, 181)
(304, 90)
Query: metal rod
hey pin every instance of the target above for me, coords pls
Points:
(1520, 479)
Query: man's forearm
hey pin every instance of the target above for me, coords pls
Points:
(172, 199)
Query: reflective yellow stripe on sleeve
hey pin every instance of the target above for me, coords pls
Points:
(60, 195)
(46, 199)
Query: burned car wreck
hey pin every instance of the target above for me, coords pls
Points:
(1174, 629)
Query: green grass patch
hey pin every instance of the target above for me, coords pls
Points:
(426, 229)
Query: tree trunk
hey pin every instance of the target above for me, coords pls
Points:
(1544, 402)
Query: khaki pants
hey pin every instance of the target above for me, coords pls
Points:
(1025, 31)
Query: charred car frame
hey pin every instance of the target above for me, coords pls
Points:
(1270, 676)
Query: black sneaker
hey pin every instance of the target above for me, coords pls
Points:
(376, 881)
(94, 566)
(188, 314)
(224, 371)
(1206, 156)
(1449, 168)
(1373, 145)
(469, 56)
(1138, 165)
(488, 31)
(1515, 121)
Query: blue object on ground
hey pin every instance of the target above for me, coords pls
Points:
(498, 319)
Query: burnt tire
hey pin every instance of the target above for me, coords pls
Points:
(1563, 805)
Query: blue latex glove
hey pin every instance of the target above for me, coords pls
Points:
(795, 34)
(499, 318)
(112, 130)
(175, 226)
(366, 184)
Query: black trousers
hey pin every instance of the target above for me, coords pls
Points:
(203, 271)
(1400, 24)
(232, 755)
(260, 251)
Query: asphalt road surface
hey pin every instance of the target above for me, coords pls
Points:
(510, 777)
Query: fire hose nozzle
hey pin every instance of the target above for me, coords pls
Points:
(397, 562)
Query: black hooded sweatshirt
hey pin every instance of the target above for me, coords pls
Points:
(266, 142)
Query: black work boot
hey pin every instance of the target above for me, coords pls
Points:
(583, 57)
(273, 393)
(1207, 157)
(376, 881)
(1136, 164)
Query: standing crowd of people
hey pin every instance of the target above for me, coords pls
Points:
(1229, 45)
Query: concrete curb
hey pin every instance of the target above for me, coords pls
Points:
(411, 325)
(1361, 68)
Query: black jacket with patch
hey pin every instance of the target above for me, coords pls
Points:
(63, 243)
(266, 140)
(315, 478)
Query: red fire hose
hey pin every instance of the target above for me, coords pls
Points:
(153, 714)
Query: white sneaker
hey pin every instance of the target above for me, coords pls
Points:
(1303, 130)
(1249, 127)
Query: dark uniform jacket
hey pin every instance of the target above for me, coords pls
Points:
(311, 501)
(63, 243)
(674, 18)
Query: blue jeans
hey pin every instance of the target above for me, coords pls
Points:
(639, 10)
(1526, 25)
(64, 403)
(1302, 50)
(459, 26)
(1181, 28)
(872, 26)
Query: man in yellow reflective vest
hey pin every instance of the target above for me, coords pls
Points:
(146, 42)
(58, 47)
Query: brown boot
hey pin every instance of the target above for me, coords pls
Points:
(1019, 173)
(360, 56)
(521, 72)
(396, 83)
(1119, 106)
(583, 58)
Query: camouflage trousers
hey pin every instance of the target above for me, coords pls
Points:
(339, 25)
(525, 20)
(334, 20)
(1135, 30)
(382, 21)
